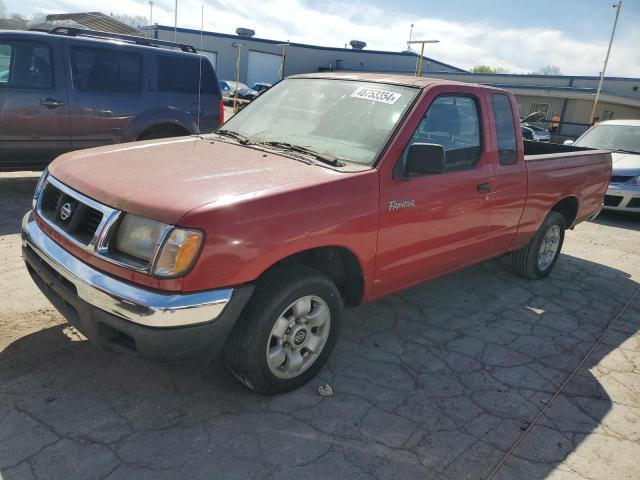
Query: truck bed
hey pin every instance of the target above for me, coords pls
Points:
(545, 151)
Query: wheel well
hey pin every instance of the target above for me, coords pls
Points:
(337, 263)
(568, 208)
(163, 130)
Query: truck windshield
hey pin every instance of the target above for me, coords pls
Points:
(343, 119)
(612, 137)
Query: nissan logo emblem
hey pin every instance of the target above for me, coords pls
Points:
(300, 337)
(66, 211)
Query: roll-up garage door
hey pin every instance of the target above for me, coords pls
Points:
(212, 56)
(263, 67)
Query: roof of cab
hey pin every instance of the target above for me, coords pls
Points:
(395, 79)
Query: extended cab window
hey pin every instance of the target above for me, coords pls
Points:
(505, 129)
(105, 71)
(180, 74)
(453, 122)
(25, 65)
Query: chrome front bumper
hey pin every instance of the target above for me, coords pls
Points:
(116, 297)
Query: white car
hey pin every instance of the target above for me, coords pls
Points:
(622, 137)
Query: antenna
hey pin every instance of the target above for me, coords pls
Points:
(200, 73)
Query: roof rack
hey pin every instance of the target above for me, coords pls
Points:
(149, 42)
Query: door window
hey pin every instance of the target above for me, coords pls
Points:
(505, 129)
(105, 71)
(453, 122)
(25, 65)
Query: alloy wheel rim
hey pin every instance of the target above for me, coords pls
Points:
(298, 336)
(549, 247)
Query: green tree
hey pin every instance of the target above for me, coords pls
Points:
(548, 70)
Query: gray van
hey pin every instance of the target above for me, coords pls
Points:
(70, 89)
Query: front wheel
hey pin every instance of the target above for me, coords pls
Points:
(537, 258)
(287, 331)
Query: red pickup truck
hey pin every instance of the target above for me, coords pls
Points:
(327, 191)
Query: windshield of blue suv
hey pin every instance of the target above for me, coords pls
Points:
(612, 137)
(343, 119)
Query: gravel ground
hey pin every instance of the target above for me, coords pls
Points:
(477, 375)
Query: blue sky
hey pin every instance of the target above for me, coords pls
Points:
(519, 36)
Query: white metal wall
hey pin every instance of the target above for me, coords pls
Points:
(263, 67)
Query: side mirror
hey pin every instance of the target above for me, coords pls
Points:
(425, 159)
(568, 143)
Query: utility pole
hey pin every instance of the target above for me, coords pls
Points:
(606, 60)
(175, 23)
(421, 57)
(235, 97)
(282, 58)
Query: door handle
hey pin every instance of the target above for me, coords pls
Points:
(483, 188)
(51, 103)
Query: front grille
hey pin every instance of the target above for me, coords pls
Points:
(620, 178)
(612, 200)
(75, 218)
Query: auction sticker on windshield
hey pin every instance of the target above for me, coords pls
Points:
(377, 95)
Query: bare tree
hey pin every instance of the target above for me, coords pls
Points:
(548, 70)
(131, 20)
(488, 69)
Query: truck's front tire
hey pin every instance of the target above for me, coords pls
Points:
(287, 331)
(536, 259)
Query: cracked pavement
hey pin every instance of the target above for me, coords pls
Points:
(436, 382)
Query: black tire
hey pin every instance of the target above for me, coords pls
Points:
(246, 348)
(525, 260)
(155, 134)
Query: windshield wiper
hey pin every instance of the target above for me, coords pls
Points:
(238, 136)
(331, 160)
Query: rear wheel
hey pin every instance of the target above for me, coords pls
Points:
(537, 258)
(287, 332)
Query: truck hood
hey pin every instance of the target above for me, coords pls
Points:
(165, 179)
(625, 163)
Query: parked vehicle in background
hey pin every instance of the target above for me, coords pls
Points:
(331, 190)
(622, 138)
(534, 133)
(230, 87)
(261, 86)
(533, 127)
(71, 89)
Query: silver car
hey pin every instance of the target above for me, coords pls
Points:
(622, 137)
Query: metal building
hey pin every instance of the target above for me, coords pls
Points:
(571, 97)
(260, 59)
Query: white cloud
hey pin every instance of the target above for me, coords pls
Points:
(335, 23)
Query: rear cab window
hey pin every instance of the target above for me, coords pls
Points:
(452, 121)
(26, 65)
(505, 129)
(179, 74)
(98, 70)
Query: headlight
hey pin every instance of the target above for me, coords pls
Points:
(139, 237)
(169, 251)
(178, 253)
(39, 187)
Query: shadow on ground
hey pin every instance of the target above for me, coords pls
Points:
(628, 221)
(436, 382)
(15, 199)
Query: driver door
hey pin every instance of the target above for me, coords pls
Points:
(434, 223)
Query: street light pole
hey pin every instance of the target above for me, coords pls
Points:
(175, 23)
(421, 57)
(606, 60)
(151, 12)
